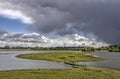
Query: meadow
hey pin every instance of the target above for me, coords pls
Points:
(75, 73)
(61, 57)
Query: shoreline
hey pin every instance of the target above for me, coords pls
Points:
(76, 72)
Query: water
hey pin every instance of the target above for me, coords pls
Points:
(8, 61)
(112, 60)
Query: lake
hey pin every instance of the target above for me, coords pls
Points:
(112, 60)
(8, 61)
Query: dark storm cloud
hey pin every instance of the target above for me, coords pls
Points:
(99, 17)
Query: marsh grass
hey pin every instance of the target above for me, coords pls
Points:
(61, 57)
(75, 73)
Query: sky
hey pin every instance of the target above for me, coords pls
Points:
(11, 25)
(45, 22)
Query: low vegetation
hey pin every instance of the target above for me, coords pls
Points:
(69, 57)
(76, 73)
(111, 48)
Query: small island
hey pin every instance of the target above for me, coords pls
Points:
(66, 57)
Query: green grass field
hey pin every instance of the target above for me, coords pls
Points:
(77, 73)
(61, 57)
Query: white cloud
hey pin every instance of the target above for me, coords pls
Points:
(12, 11)
(35, 39)
(15, 14)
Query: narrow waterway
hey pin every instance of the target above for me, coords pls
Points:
(112, 60)
(8, 61)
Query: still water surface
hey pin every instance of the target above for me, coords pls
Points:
(8, 61)
(112, 60)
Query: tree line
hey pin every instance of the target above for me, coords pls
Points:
(111, 48)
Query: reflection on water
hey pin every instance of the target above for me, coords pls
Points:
(8, 61)
(112, 61)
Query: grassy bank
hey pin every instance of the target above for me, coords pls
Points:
(61, 57)
(78, 73)
(75, 73)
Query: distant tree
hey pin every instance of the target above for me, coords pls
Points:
(7, 47)
(114, 49)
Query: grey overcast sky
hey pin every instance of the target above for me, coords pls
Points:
(90, 18)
